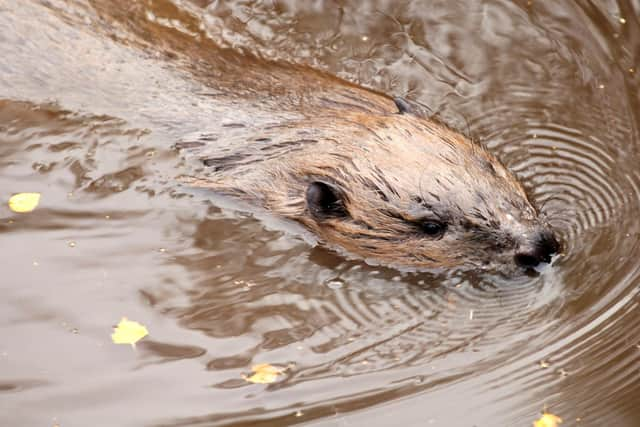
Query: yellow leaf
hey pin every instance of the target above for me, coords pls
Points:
(548, 420)
(24, 202)
(128, 332)
(264, 374)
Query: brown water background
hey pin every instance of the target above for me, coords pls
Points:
(93, 94)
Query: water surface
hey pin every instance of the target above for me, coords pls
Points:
(93, 94)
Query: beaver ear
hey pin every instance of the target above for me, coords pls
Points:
(403, 106)
(413, 108)
(325, 201)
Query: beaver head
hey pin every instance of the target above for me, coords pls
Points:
(394, 189)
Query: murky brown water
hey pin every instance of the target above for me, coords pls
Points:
(93, 93)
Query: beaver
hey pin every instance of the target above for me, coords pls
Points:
(366, 174)
(393, 187)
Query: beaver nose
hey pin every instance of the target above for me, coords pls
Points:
(536, 250)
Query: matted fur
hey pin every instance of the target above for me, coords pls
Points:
(393, 172)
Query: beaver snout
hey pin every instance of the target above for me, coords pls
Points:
(537, 249)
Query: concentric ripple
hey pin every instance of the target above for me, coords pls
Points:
(565, 169)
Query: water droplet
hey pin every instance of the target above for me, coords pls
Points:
(335, 284)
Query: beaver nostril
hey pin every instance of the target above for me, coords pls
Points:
(548, 243)
(527, 260)
(540, 250)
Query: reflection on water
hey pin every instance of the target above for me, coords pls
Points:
(93, 94)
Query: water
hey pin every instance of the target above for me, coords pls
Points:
(93, 94)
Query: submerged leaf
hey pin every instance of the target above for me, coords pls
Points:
(548, 420)
(264, 374)
(24, 202)
(128, 332)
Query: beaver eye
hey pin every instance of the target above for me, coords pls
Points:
(433, 228)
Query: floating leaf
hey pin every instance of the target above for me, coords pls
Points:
(264, 374)
(24, 202)
(128, 332)
(548, 420)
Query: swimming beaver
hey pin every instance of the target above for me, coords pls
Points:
(397, 189)
(394, 188)
(360, 172)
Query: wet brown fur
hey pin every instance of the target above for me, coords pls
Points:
(393, 172)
